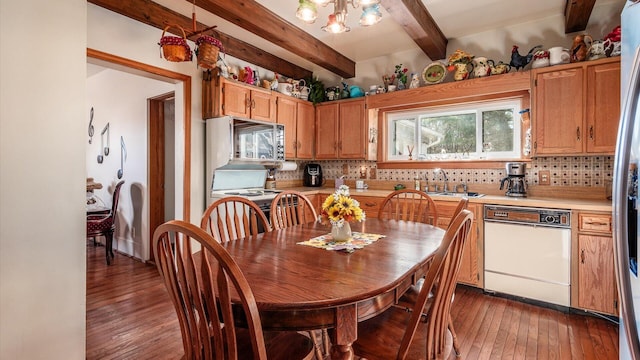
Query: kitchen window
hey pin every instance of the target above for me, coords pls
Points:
(489, 130)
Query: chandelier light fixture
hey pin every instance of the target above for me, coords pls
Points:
(308, 12)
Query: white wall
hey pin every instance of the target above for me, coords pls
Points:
(42, 179)
(121, 36)
(120, 99)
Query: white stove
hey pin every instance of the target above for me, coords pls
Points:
(245, 181)
(257, 195)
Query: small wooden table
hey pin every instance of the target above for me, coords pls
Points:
(299, 287)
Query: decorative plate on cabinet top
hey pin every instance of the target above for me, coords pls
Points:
(434, 73)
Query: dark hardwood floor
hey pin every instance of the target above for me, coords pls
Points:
(130, 316)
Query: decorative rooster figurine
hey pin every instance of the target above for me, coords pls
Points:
(520, 61)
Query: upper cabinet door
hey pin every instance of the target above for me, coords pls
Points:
(326, 131)
(236, 100)
(603, 107)
(306, 126)
(262, 106)
(558, 111)
(286, 115)
(351, 133)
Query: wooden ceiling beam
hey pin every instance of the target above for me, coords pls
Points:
(158, 16)
(413, 16)
(576, 15)
(255, 18)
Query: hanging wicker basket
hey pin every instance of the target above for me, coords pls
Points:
(207, 51)
(175, 48)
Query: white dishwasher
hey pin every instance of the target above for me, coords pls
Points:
(527, 252)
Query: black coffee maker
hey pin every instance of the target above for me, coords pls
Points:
(516, 184)
(312, 175)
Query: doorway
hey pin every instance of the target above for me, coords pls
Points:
(182, 179)
(161, 162)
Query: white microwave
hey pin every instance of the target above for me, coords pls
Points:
(253, 140)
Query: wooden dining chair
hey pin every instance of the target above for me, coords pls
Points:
(291, 208)
(233, 217)
(409, 205)
(105, 224)
(408, 300)
(200, 286)
(399, 334)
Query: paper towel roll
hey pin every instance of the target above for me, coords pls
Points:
(288, 166)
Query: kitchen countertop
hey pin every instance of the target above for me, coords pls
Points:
(552, 203)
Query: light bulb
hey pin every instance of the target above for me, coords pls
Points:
(307, 11)
(370, 15)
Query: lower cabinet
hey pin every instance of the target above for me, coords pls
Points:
(369, 204)
(471, 259)
(469, 273)
(596, 282)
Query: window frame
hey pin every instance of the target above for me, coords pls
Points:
(417, 115)
(383, 112)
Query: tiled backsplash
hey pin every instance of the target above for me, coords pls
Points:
(565, 171)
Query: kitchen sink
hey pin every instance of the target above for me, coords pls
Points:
(453, 194)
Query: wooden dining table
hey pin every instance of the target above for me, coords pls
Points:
(299, 287)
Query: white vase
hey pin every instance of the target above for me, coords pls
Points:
(341, 234)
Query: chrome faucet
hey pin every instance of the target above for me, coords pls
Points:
(463, 185)
(446, 179)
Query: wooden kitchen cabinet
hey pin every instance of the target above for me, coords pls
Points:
(576, 107)
(603, 107)
(286, 114)
(469, 272)
(224, 97)
(305, 130)
(298, 118)
(370, 204)
(341, 130)
(597, 290)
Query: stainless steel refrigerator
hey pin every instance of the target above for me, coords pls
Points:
(625, 185)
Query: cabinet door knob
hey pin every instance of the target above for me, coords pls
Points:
(578, 133)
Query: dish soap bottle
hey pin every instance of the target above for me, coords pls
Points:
(271, 180)
(416, 183)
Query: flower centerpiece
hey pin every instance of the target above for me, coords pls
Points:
(401, 75)
(339, 209)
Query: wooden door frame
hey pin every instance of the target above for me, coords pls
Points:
(118, 62)
(157, 164)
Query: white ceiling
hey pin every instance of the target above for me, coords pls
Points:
(456, 19)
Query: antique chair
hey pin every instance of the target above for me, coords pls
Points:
(399, 334)
(408, 299)
(105, 225)
(204, 308)
(290, 208)
(233, 217)
(409, 205)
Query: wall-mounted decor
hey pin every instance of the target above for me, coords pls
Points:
(91, 125)
(102, 147)
(123, 152)
(106, 148)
